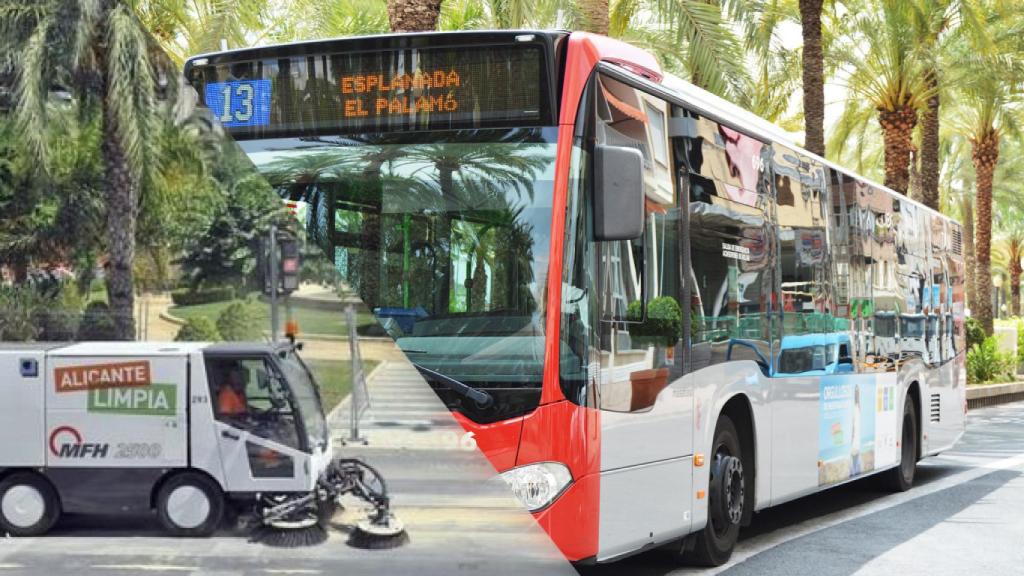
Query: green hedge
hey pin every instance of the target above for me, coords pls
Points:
(206, 296)
(240, 321)
(198, 329)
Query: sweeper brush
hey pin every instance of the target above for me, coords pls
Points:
(295, 521)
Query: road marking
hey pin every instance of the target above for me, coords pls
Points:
(290, 571)
(764, 542)
(11, 566)
(146, 567)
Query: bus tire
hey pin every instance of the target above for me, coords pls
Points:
(190, 505)
(713, 545)
(29, 505)
(901, 478)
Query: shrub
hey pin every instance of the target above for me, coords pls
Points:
(198, 329)
(974, 331)
(204, 296)
(97, 323)
(986, 363)
(18, 309)
(663, 325)
(239, 321)
(60, 322)
(1020, 342)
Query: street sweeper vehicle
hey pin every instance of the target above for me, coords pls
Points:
(193, 431)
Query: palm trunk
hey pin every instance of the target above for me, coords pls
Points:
(897, 131)
(19, 269)
(813, 77)
(1015, 273)
(930, 146)
(122, 195)
(984, 155)
(967, 213)
(914, 187)
(413, 15)
(595, 15)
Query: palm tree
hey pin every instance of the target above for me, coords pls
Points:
(413, 15)
(99, 53)
(936, 23)
(970, 265)
(988, 115)
(333, 18)
(185, 29)
(595, 16)
(1008, 251)
(887, 79)
(812, 65)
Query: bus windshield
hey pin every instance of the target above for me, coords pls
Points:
(444, 236)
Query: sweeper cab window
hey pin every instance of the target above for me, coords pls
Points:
(250, 394)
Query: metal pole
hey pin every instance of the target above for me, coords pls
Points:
(355, 403)
(274, 319)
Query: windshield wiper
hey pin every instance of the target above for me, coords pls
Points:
(480, 397)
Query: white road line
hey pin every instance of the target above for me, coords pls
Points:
(146, 567)
(11, 566)
(759, 544)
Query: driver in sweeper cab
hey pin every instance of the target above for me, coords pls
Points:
(231, 400)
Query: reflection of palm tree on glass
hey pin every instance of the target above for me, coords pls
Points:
(390, 189)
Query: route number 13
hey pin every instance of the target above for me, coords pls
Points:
(238, 102)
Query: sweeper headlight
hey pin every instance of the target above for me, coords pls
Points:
(538, 485)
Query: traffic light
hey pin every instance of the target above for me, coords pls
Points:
(287, 260)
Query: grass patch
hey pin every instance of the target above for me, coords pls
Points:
(335, 379)
(311, 320)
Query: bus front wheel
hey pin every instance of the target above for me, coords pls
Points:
(726, 496)
(901, 478)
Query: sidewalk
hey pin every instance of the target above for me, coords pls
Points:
(404, 413)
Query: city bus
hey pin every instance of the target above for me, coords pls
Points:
(653, 312)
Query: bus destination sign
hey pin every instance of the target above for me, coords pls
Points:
(376, 92)
(381, 95)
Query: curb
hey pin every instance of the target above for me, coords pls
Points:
(166, 316)
(992, 394)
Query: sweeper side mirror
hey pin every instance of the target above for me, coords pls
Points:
(618, 193)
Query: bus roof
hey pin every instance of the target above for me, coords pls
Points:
(381, 41)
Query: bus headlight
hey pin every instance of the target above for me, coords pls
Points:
(538, 485)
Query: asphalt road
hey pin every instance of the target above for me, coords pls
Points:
(459, 520)
(965, 515)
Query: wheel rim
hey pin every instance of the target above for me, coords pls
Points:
(728, 492)
(188, 507)
(734, 490)
(23, 506)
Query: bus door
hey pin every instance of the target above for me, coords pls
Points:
(646, 402)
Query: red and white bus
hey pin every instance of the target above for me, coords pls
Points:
(655, 314)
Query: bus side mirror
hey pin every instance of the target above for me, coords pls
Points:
(618, 193)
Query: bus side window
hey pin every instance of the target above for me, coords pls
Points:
(808, 320)
(729, 277)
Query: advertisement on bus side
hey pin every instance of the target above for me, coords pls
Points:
(846, 437)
